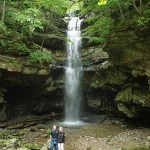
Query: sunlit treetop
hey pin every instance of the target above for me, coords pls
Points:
(102, 2)
(74, 6)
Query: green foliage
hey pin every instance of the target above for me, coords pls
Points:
(11, 43)
(99, 23)
(40, 57)
(35, 146)
(99, 30)
(143, 20)
(74, 6)
(29, 19)
(9, 47)
(19, 48)
(22, 19)
(58, 7)
(2, 28)
(105, 15)
(116, 5)
(27, 16)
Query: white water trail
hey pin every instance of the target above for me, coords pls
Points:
(73, 72)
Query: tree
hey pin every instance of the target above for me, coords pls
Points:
(29, 19)
(3, 13)
(22, 19)
(103, 14)
(139, 10)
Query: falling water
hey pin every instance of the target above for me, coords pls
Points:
(73, 72)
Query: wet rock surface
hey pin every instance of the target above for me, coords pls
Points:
(50, 41)
(28, 89)
(131, 56)
(116, 79)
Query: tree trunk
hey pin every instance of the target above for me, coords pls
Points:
(121, 12)
(141, 6)
(3, 13)
(136, 8)
(21, 5)
(42, 41)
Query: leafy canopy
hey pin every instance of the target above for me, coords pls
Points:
(24, 17)
(102, 2)
(105, 15)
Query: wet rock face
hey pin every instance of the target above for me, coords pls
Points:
(25, 100)
(99, 101)
(118, 79)
(3, 105)
(132, 54)
(100, 81)
(30, 100)
(134, 101)
(50, 41)
(124, 76)
(29, 89)
(54, 36)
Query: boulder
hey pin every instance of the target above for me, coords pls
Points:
(3, 112)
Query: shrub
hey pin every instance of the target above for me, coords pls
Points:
(40, 57)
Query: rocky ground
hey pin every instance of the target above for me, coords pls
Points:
(112, 134)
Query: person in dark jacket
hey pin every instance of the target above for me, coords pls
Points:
(61, 139)
(54, 138)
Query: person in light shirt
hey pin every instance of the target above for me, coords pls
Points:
(61, 139)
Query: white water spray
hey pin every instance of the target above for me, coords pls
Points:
(73, 72)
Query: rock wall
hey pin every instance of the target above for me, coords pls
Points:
(116, 82)
(120, 85)
(129, 52)
(28, 89)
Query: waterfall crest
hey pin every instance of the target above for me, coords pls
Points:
(73, 71)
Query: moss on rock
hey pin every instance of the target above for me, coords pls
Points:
(130, 111)
(109, 76)
(131, 96)
(2, 143)
(33, 146)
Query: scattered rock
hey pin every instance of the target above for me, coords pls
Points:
(126, 139)
(147, 144)
(44, 135)
(33, 129)
(41, 126)
(53, 114)
(148, 138)
(123, 126)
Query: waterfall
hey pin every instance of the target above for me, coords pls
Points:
(73, 72)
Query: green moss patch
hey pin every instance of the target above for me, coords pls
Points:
(33, 146)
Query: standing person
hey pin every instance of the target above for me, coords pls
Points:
(54, 137)
(61, 139)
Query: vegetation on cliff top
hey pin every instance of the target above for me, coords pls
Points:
(107, 15)
(19, 21)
